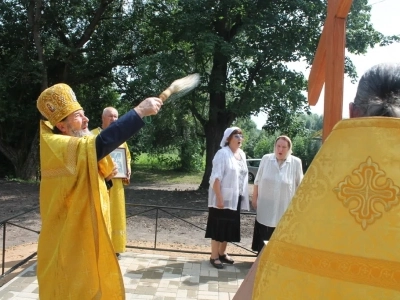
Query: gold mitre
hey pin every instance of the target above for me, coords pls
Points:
(57, 102)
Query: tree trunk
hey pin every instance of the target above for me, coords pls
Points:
(11, 154)
(214, 132)
(26, 165)
(30, 167)
(218, 117)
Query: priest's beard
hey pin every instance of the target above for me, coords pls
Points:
(79, 133)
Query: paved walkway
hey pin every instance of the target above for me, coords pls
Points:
(154, 277)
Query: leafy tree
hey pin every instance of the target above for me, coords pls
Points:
(241, 48)
(47, 42)
(312, 122)
(265, 145)
(306, 147)
(251, 135)
(307, 144)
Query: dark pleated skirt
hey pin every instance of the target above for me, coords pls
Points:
(223, 225)
(261, 233)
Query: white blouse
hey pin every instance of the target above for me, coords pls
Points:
(276, 187)
(227, 170)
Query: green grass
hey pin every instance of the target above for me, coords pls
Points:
(148, 173)
(10, 178)
(149, 169)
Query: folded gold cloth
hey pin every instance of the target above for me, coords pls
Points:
(339, 238)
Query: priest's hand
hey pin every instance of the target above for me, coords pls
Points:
(149, 106)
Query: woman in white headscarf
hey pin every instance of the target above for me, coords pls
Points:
(228, 194)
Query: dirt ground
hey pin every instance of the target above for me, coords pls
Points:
(180, 224)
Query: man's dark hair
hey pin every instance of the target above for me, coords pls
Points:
(55, 129)
(378, 92)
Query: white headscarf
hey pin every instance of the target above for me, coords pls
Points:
(227, 133)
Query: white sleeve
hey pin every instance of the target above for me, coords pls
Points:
(299, 175)
(260, 171)
(218, 167)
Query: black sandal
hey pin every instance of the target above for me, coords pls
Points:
(216, 265)
(226, 259)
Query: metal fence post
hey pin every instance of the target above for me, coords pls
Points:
(155, 233)
(3, 260)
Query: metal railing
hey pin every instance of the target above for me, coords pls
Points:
(148, 208)
(4, 223)
(165, 209)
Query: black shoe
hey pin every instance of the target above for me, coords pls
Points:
(118, 256)
(216, 265)
(226, 259)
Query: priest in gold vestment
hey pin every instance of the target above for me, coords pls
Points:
(116, 192)
(76, 259)
(339, 238)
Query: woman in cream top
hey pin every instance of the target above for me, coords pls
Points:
(278, 177)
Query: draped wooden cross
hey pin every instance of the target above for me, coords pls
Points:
(328, 64)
